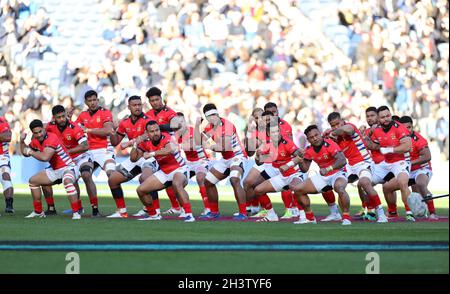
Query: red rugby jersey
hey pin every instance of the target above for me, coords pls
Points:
(377, 156)
(133, 129)
(191, 154)
(354, 147)
(163, 116)
(71, 135)
(281, 155)
(60, 158)
(167, 163)
(323, 155)
(95, 120)
(418, 143)
(391, 138)
(285, 128)
(226, 128)
(4, 127)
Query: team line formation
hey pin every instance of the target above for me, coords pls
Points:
(166, 152)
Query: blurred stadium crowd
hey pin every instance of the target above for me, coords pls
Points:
(239, 55)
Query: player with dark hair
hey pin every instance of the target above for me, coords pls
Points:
(329, 157)
(76, 143)
(5, 165)
(421, 171)
(350, 140)
(132, 127)
(47, 147)
(173, 170)
(221, 136)
(393, 140)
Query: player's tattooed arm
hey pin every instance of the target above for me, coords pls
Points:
(102, 132)
(405, 145)
(82, 146)
(424, 156)
(340, 161)
(170, 148)
(116, 138)
(345, 129)
(43, 156)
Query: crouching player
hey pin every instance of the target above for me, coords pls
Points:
(279, 151)
(225, 140)
(331, 161)
(47, 147)
(173, 170)
(350, 140)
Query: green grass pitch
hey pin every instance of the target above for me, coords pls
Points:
(62, 228)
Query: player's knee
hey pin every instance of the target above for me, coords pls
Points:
(235, 182)
(259, 191)
(340, 189)
(86, 176)
(200, 179)
(248, 184)
(140, 191)
(364, 183)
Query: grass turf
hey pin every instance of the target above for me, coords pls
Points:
(62, 228)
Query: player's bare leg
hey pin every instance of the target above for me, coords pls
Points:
(373, 200)
(48, 196)
(344, 200)
(390, 196)
(200, 177)
(69, 182)
(114, 182)
(421, 187)
(86, 171)
(364, 201)
(178, 183)
(149, 185)
(260, 192)
(301, 191)
(236, 173)
(252, 180)
(147, 172)
(35, 183)
(212, 178)
(8, 189)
